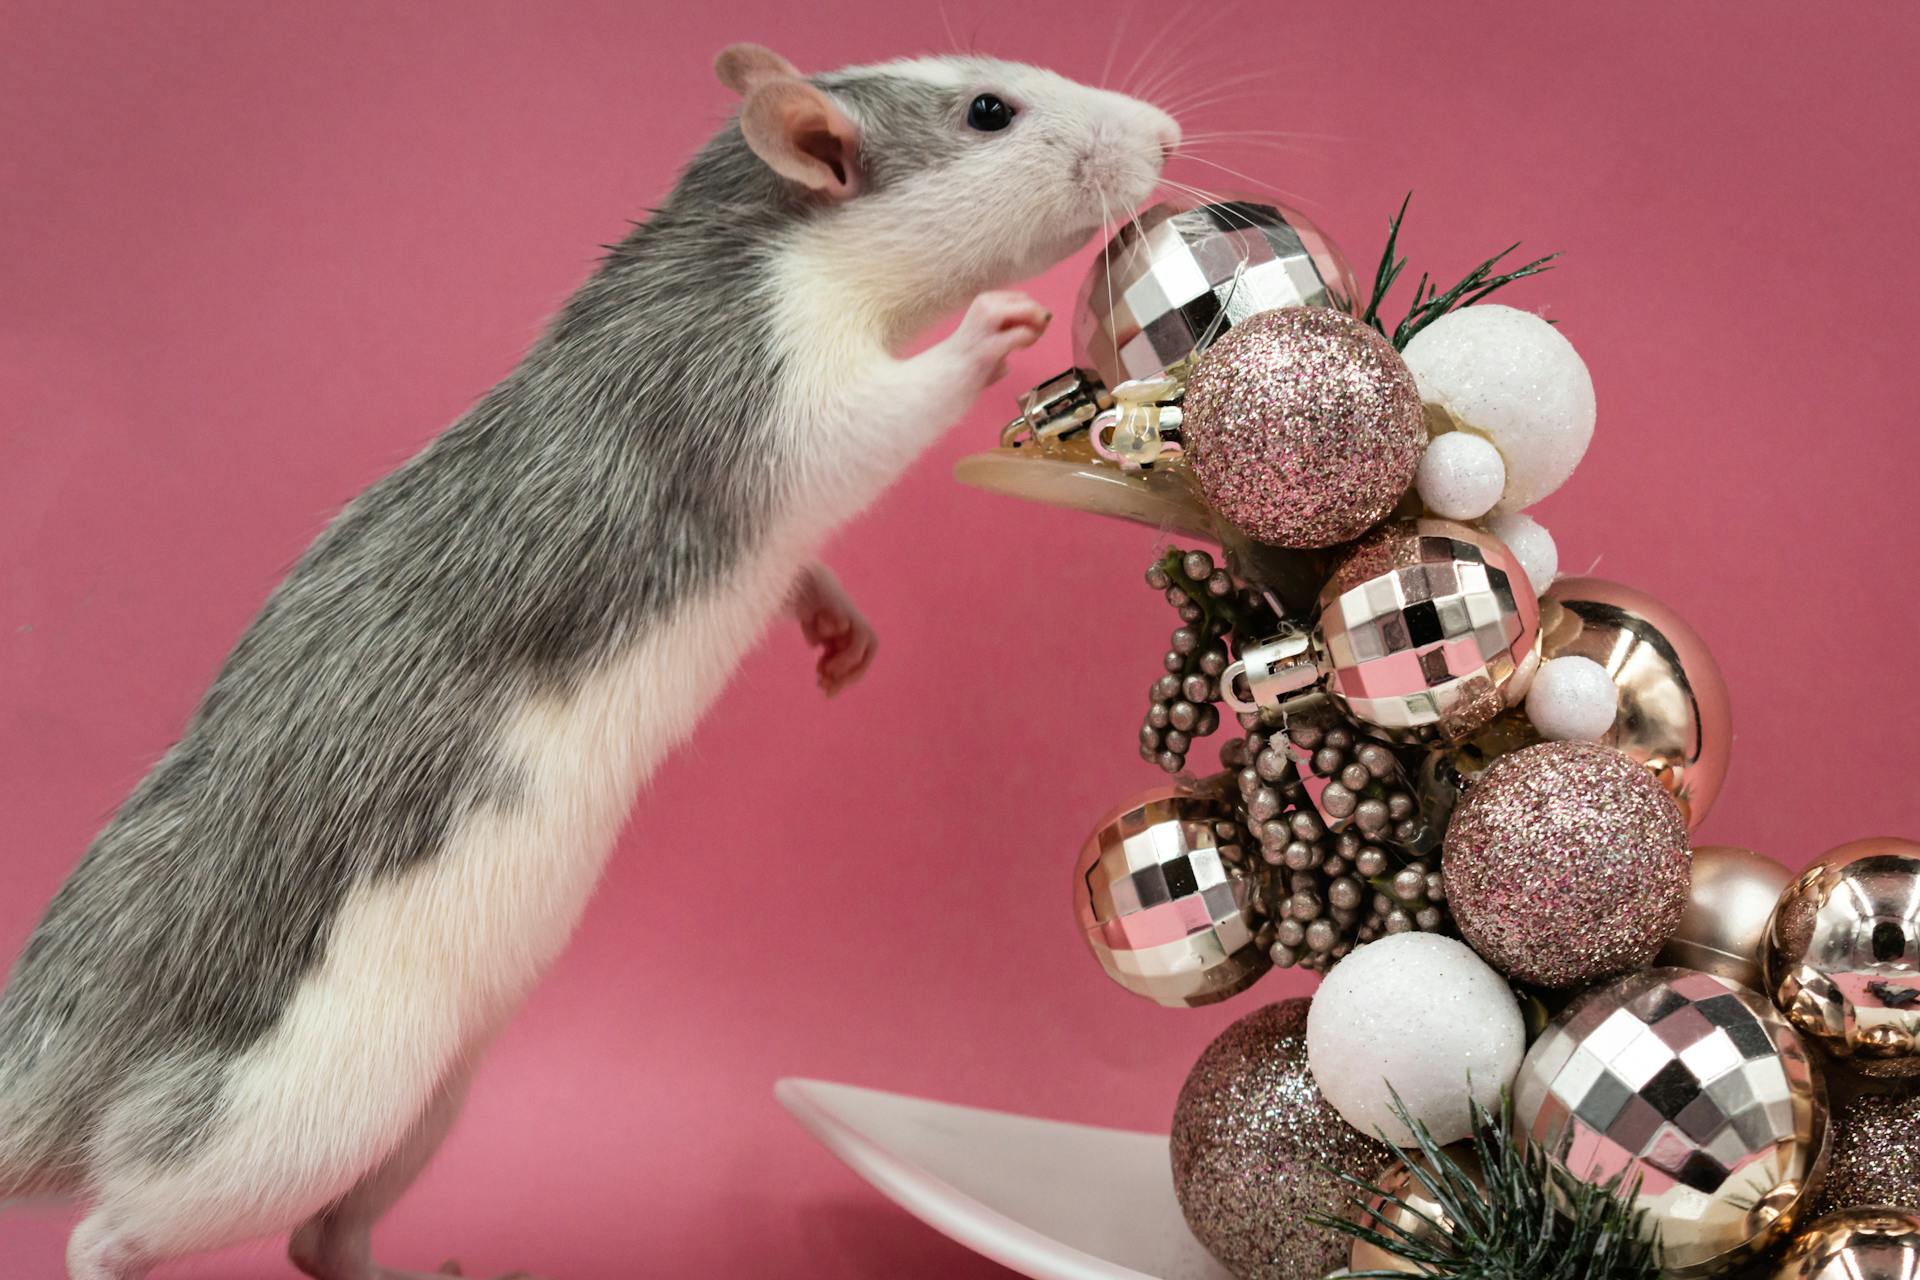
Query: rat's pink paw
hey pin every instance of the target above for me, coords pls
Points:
(834, 625)
(997, 324)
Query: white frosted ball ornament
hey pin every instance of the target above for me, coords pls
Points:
(1421, 1015)
(1531, 545)
(1461, 476)
(1573, 699)
(1511, 377)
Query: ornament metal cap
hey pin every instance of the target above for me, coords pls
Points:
(1060, 406)
(1274, 671)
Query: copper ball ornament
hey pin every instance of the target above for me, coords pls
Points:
(1564, 863)
(1878, 1243)
(1418, 1213)
(1427, 627)
(1674, 716)
(1257, 1152)
(1729, 902)
(1842, 955)
(1303, 426)
(1168, 897)
(1695, 1086)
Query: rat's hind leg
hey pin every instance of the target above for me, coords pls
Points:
(335, 1244)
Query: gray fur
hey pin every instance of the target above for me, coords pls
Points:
(622, 468)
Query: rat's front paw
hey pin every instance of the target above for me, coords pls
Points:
(996, 325)
(834, 625)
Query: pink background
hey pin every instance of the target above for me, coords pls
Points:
(254, 255)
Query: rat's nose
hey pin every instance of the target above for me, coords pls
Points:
(1167, 133)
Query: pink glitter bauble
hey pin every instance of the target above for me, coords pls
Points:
(1567, 862)
(1303, 426)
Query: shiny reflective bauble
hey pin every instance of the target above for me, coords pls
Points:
(1175, 275)
(1881, 1243)
(1168, 901)
(1673, 716)
(1728, 905)
(1842, 955)
(1697, 1087)
(1426, 627)
(1417, 1214)
(1257, 1153)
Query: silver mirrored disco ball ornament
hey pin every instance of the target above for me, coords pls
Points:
(1168, 898)
(1175, 278)
(1699, 1089)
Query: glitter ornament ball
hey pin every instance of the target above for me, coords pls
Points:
(1510, 376)
(1873, 1152)
(1566, 862)
(1167, 901)
(1728, 906)
(1572, 699)
(1842, 955)
(1303, 426)
(1698, 1088)
(1461, 476)
(1531, 545)
(1422, 1016)
(1257, 1151)
(1880, 1243)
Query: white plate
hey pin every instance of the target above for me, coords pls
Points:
(1050, 1200)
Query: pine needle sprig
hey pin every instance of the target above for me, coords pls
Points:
(1429, 302)
(1532, 1221)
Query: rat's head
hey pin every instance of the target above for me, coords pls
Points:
(949, 175)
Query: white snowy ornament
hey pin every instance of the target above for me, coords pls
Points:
(1573, 699)
(1531, 545)
(1421, 1015)
(1511, 377)
(1461, 476)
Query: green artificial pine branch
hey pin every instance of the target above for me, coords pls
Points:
(1533, 1221)
(1429, 303)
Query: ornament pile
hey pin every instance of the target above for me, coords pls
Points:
(1461, 787)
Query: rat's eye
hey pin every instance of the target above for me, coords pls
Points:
(989, 114)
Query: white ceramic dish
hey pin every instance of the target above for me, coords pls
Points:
(1049, 1200)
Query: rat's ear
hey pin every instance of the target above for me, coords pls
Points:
(743, 66)
(802, 134)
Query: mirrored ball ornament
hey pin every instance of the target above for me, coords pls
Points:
(1175, 275)
(1879, 1243)
(1168, 897)
(1842, 955)
(1426, 628)
(1258, 1153)
(1696, 1087)
(1302, 426)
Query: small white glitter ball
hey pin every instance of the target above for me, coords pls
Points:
(1461, 476)
(1422, 1015)
(1572, 700)
(1513, 378)
(1531, 545)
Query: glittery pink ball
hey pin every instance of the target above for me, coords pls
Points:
(1303, 426)
(1567, 862)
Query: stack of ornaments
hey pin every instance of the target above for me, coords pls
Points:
(1552, 1038)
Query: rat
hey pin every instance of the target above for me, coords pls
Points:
(255, 1006)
